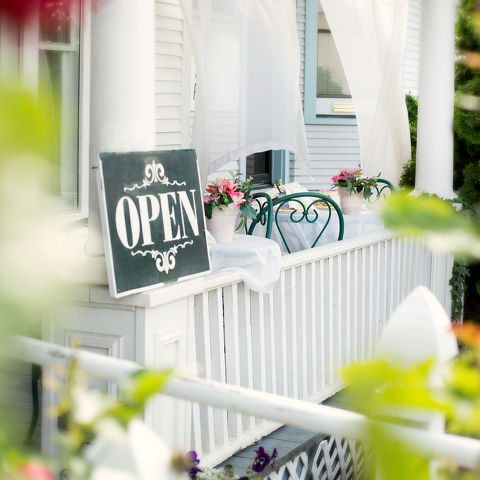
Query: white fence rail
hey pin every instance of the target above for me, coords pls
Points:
(462, 450)
(326, 312)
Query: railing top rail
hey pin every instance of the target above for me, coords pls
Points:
(187, 288)
(335, 248)
(328, 420)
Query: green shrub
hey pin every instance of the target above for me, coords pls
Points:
(407, 179)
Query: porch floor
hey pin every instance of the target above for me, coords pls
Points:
(290, 443)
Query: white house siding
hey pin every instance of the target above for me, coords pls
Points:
(411, 57)
(332, 147)
(172, 75)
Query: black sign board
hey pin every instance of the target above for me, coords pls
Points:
(152, 218)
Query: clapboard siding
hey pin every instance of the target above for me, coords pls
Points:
(331, 147)
(411, 57)
(171, 88)
(301, 41)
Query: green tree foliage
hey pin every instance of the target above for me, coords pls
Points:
(407, 179)
(466, 122)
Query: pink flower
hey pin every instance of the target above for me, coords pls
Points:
(228, 185)
(212, 188)
(237, 198)
(36, 471)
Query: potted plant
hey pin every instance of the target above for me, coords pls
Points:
(224, 200)
(353, 187)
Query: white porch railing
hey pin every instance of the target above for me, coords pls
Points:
(326, 312)
(462, 450)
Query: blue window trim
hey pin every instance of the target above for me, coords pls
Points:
(310, 86)
(281, 166)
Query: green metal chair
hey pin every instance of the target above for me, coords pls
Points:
(381, 189)
(302, 210)
(265, 214)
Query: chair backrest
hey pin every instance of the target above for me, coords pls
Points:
(303, 207)
(265, 213)
(381, 189)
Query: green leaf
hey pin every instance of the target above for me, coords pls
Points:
(248, 211)
(241, 224)
(436, 221)
(146, 383)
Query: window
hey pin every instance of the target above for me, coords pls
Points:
(58, 77)
(49, 54)
(327, 96)
(266, 167)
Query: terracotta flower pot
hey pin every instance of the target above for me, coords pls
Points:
(222, 224)
(350, 203)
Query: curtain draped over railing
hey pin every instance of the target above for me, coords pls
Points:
(370, 36)
(247, 73)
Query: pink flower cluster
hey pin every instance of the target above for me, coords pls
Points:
(224, 192)
(347, 174)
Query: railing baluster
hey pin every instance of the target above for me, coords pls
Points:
(284, 334)
(261, 328)
(356, 291)
(208, 366)
(221, 356)
(236, 347)
(321, 316)
(339, 320)
(391, 292)
(248, 337)
(294, 323)
(348, 316)
(305, 366)
(315, 342)
(379, 281)
(364, 304)
(273, 349)
(331, 365)
(196, 417)
(371, 316)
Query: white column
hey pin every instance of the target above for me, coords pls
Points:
(122, 89)
(434, 171)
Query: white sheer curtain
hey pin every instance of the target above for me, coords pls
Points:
(370, 36)
(247, 67)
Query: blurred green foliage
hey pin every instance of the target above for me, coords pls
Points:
(27, 244)
(90, 414)
(25, 122)
(442, 227)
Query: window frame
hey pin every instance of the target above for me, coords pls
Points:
(310, 73)
(30, 46)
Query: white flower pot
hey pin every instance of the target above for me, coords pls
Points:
(350, 203)
(222, 224)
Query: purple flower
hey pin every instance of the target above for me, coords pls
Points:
(261, 460)
(193, 461)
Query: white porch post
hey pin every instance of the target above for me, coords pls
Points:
(122, 89)
(434, 170)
